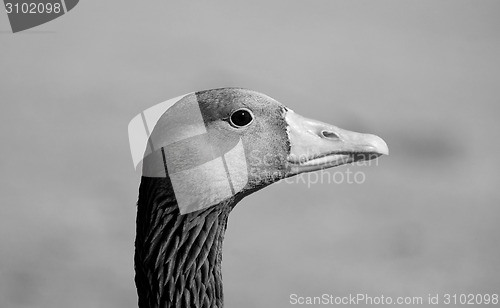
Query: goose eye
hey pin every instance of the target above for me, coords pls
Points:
(241, 117)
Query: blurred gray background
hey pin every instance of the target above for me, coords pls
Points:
(424, 75)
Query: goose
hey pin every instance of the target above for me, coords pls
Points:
(206, 152)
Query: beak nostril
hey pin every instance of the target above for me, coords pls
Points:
(328, 134)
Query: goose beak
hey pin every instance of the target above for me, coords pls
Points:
(315, 145)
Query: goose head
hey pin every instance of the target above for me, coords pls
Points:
(206, 152)
(222, 143)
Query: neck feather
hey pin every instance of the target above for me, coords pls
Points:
(177, 257)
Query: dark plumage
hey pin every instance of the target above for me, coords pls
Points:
(178, 257)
